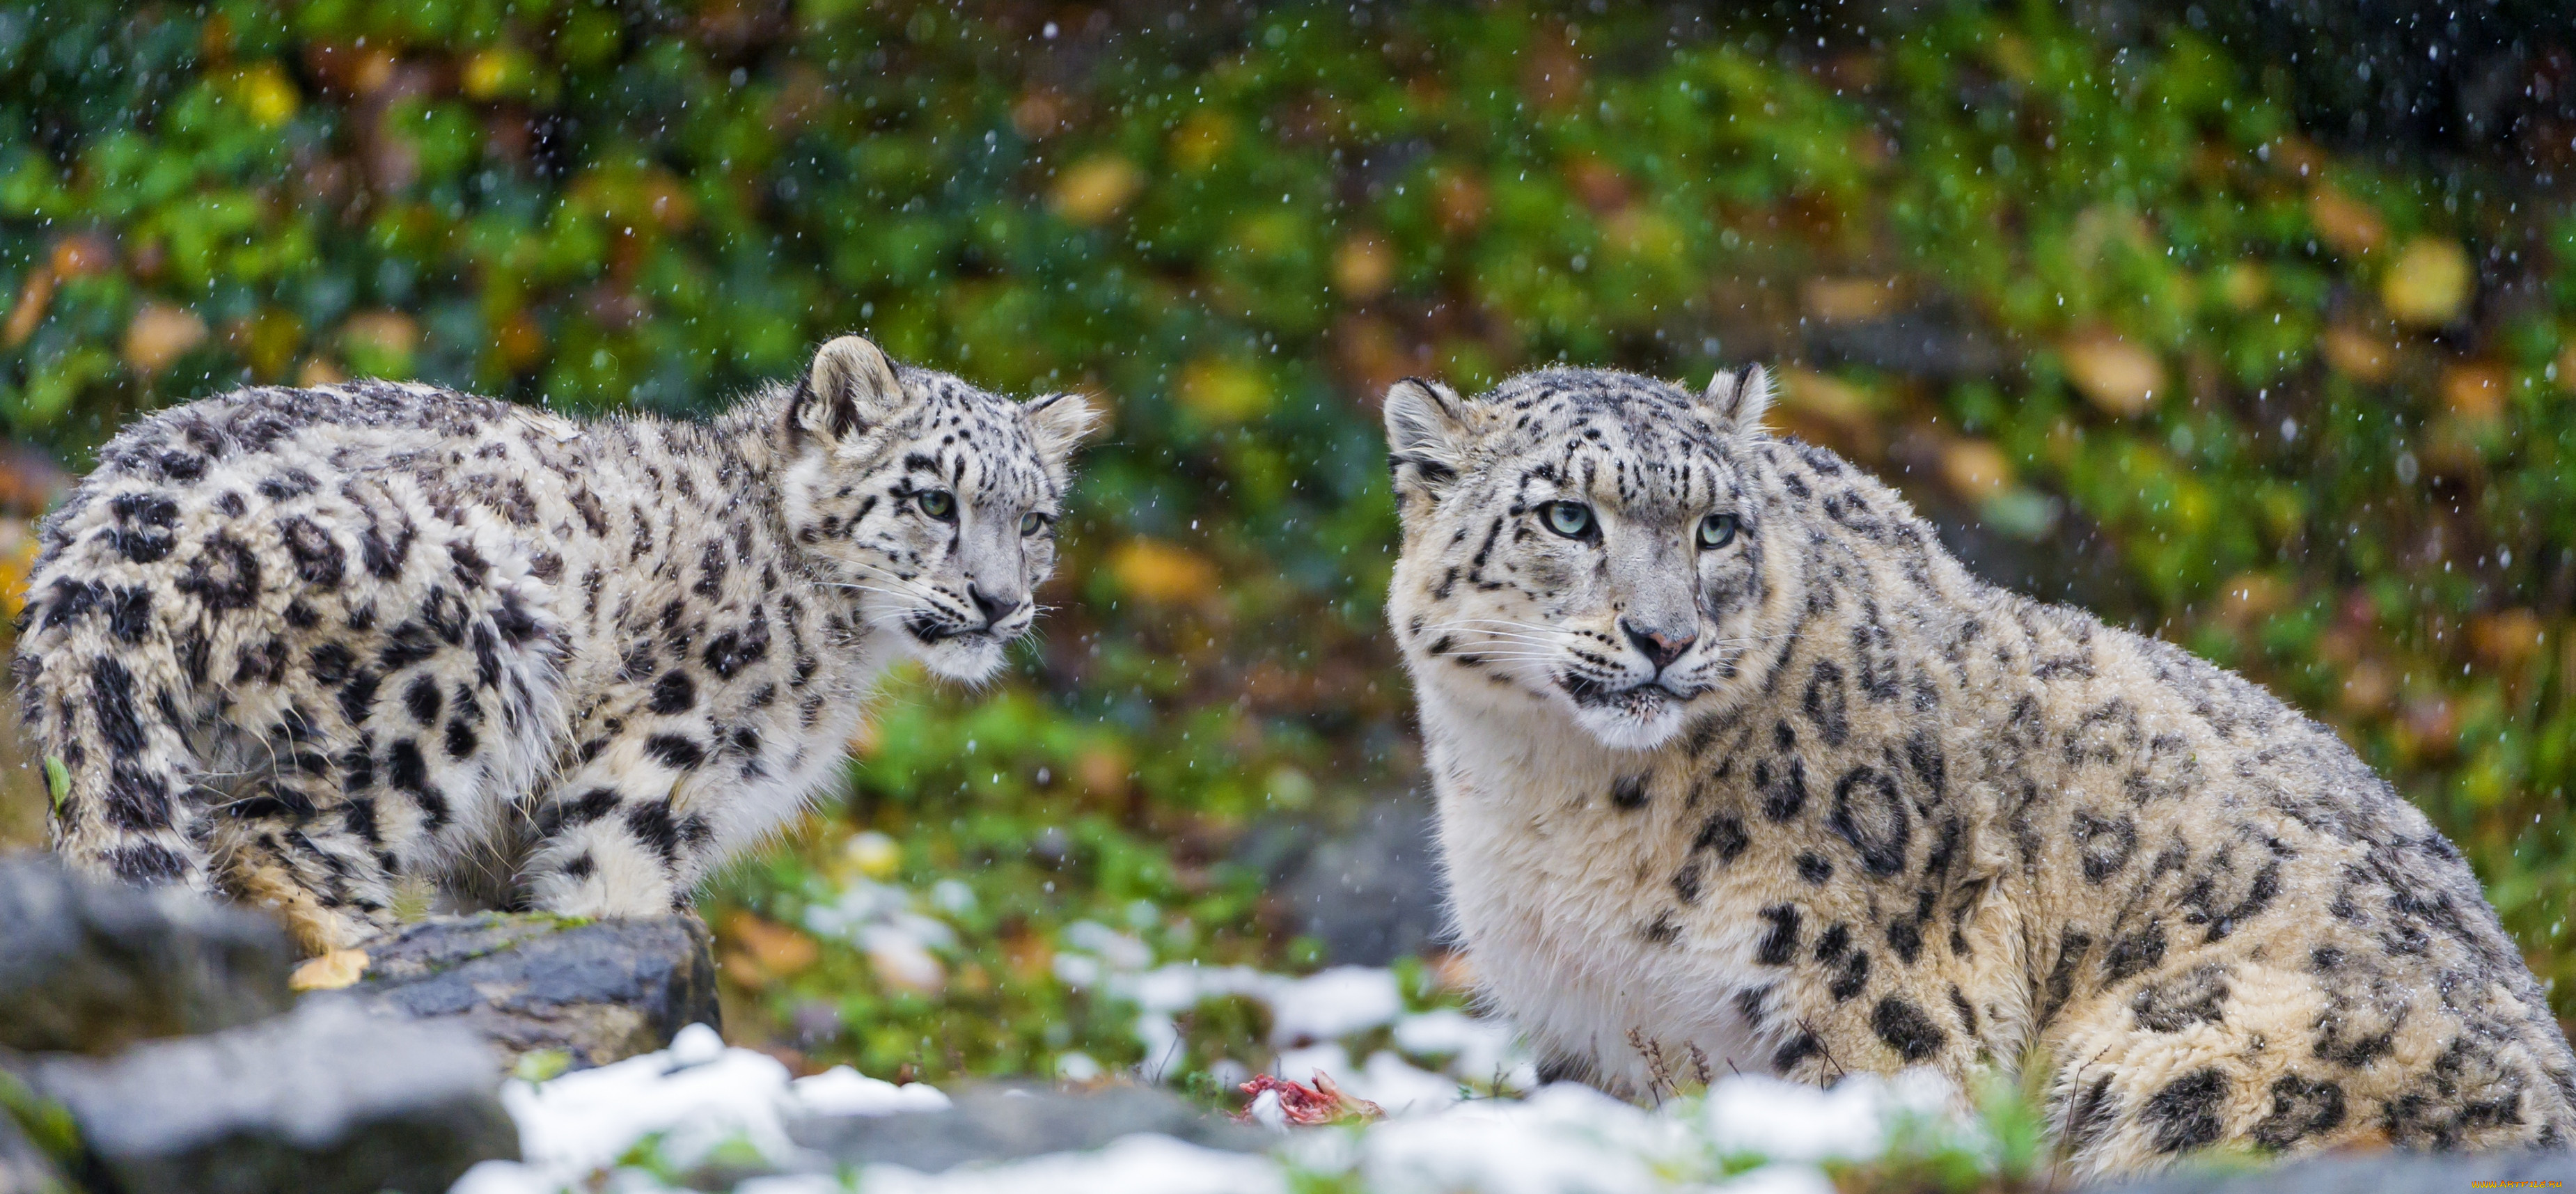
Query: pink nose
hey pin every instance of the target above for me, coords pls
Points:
(1663, 647)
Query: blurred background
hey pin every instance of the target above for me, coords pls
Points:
(2256, 331)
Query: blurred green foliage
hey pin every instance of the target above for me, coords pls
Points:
(2103, 311)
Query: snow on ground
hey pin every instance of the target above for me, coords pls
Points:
(697, 1095)
(699, 1100)
(1311, 1019)
(1142, 1164)
(1463, 1108)
(1311, 1016)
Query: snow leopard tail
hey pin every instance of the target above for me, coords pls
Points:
(100, 685)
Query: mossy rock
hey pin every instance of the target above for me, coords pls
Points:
(595, 991)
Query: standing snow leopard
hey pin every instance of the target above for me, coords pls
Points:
(300, 646)
(1731, 755)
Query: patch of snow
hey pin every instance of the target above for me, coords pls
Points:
(1399, 1086)
(952, 896)
(1122, 951)
(861, 903)
(1563, 1139)
(696, 1094)
(1142, 1164)
(1478, 1049)
(1076, 970)
(1077, 1066)
(900, 956)
(845, 1091)
(1334, 1003)
(1265, 1111)
(1786, 1121)
(1310, 1016)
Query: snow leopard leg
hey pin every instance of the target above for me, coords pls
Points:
(97, 680)
(292, 844)
(616, 835)
(612, 852)
(2299, 1054)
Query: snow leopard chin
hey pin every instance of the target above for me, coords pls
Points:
(1640, 719)
(972, 659)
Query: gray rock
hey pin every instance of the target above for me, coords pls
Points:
(2377, 1173)
(1000, 1123)
(1370, 891)
(91, 966)
(599, 991)
(328, 1098)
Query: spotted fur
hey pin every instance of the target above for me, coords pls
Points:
(304, 646)
(1815, 800)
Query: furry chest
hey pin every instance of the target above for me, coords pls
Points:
(1570, 921)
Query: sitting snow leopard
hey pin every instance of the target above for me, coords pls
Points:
(1731, 755)
(302, 646)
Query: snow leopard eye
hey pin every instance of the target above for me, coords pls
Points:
(1570, 519)
(1716, 530)
(937, 503)
(1033, 522)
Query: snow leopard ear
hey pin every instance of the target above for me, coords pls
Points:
(1060, 421)
(850, 387)
(1428, 428)
(1734, 402)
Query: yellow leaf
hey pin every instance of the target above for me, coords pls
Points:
(33, 300)
(774, 950)
(2243, 285)
(1095, 188)
(2507, 637)
(2429, 283)
(1846, 300)
(489, 73)
(1223, 391)
(267, 341)
(380, 343)
(1364, 266)
(1152, 570)
(2113, 374)
(2358, 354)
(1201, 139)
(160, 334)
(269, 95)
(874, 854)
(2351, 228)
(330, 972)
(2474, 390)
(1976, 469)
(1824, 409)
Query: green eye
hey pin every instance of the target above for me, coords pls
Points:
(1717, 530)
(1033, 522)
(937, 503)
(1570, 519)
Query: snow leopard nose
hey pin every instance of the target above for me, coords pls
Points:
(994, 606)
(1663, 647)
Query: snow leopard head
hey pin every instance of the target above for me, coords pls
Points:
(1580, 542)
(933, 503)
